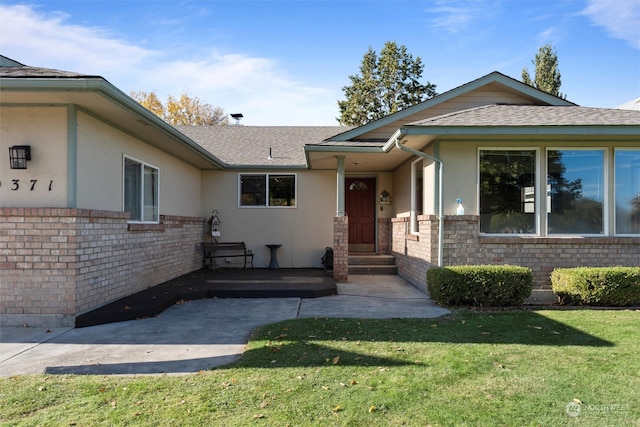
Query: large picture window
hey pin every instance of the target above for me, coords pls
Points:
(576, 185)
(507, 191)
(627, 191)
(267, 190)
(140, 191)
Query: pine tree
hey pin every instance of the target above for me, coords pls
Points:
(385, 85)
(547, 74)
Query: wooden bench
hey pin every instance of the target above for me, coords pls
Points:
(212, 250)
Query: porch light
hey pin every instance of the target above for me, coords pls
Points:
(19, 155)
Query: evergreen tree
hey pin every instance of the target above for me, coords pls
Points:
(386, 84)
(547, 74)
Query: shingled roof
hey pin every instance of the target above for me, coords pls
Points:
(12, 68)
(534, 115)
(249, 146)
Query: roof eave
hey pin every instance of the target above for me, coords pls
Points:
(266, 167)
(113, 94)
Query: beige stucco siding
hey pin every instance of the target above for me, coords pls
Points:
(303, 231)
(402, 190)
(44, 182)
(100, 153)
(385, 183)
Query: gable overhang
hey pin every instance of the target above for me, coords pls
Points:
(539, 96)
(100, 99)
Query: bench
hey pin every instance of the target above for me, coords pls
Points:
(212, 250)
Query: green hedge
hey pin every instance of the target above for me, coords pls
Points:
(480, 285)
(603, 286)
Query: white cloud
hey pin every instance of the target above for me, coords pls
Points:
(48, 41)
(620, 18)
(456, 16)
(255, 86)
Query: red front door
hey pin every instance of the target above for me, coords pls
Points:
(360, 207)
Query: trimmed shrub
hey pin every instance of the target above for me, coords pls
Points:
(599, 286)
(480, 285)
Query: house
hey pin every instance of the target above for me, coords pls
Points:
(113, 200)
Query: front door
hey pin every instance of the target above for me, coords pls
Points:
(360, 205)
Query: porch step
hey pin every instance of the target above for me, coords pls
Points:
(372, 264)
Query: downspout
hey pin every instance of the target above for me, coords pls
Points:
(398, 136)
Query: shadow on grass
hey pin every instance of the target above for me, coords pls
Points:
(317, 342)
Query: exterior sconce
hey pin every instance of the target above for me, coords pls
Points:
(385, 198)
(18, 156)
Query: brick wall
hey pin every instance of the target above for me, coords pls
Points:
(464, 245)
(384, 236)
(340, 248)
(58, 263)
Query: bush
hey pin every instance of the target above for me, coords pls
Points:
(608, 286)
(480, 285)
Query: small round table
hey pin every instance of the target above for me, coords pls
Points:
(273, 265)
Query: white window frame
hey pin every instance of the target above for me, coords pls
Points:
(614, 196)
(605, 187)
(414, 226)
(267, 198)
(142, 165)
(537, 186)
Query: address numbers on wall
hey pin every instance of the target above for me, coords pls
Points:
(27, 185)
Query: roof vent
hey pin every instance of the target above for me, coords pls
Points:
(237, 117)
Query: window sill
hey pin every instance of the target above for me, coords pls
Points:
(414, 237)
(145, 228)
(605, 240)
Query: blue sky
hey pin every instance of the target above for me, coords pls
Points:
(285, 62)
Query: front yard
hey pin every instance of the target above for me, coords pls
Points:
(555, 367)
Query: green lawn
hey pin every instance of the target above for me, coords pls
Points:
(513, 368)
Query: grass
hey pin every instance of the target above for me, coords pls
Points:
(470, 368)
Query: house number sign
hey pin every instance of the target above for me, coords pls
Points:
(26, 185)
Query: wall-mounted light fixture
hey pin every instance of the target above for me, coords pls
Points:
(18, 156)
(385, 198)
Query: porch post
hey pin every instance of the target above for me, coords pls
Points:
(340, 187)
(340, 229)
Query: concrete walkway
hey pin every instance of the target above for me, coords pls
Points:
(196, 335)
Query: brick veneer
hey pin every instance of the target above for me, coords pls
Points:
(58, 263)
(340, 248)
(464, 245)
(384, 236)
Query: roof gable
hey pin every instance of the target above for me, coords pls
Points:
(490, 89)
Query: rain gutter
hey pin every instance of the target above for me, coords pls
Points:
(397, 137)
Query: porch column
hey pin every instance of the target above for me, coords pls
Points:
(340, 187)
(341, 248)
(340, 229)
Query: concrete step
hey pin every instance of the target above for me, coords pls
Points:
(371, 259)
(373, 269)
